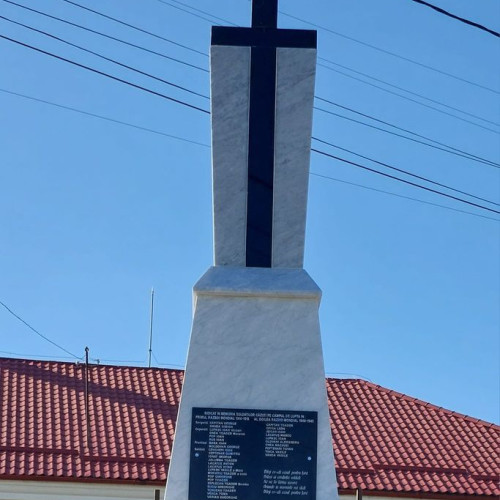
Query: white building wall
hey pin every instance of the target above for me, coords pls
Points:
(65, 490)
(55, 490)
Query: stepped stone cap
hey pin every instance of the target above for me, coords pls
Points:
(254, 281)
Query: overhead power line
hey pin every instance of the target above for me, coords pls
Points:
(109, 37)
(358, 72)
(44, 337)
(393, 54)
(199, 10)
(156, 132)
(369, 125)
(442, 111)
(465, 154)
(194, 13)
(406, 172)
(107, 75)
(458, 18)
(114, 61)
(321, 65)
(106, 118)
(390, 193)
(399, 179)
(207, 112)
(137, 28)
(416, 94)
(35, 356)
(373, 78)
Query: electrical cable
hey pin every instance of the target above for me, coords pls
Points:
(200, 109)
(435, 101)
(37, 332)
(352, 39)
(166, 82)
(406, 172)
(106, 118)
(353, 70)
(36, 356)
(464, 153)
(88, 68)
(205, 70)
(198, 10)
(458, 18)
(211, 21)
(412, 100)
(491, 164)
(134, 27)
(410, 183)
(207, 146)
(404, 197)
(109, 37)
(382, 81)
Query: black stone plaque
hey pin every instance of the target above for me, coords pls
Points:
(253, 454)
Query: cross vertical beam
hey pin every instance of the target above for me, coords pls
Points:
(264, 13)
(261, 157)
(261, 141)
(264, 40)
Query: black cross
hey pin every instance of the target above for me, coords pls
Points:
(263, 38)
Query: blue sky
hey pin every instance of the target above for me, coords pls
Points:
(94, 213)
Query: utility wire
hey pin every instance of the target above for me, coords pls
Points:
(195, 107)
(197, 10)
(145, 49)
(458, 18)
(358, 72)
(134, 27)
(491, 164)
(416, 94)
(410, 99)
(399, 179)
(406, 172)
(207, 146)
(37, 332)
(366, 45)
(205, 70)
(352, 39)
(106, 118)
(36, 356)
(107, 75)
(390, 193)
(200, 109)
(211, 21)
(166, 82)
(465, 154)
(376, 79)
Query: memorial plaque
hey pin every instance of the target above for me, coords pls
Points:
(252, 454)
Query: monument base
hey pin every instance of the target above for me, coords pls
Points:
(255, 345)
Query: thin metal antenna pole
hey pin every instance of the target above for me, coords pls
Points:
(87, 414)
(151, 326)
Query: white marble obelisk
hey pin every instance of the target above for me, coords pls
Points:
(255, 340)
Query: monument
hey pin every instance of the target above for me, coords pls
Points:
(253, 421)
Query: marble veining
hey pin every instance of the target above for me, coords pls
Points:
(296, 70)
(230, 97)
(254, 351)
(248, 281)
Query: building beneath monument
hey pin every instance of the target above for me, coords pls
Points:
(386, 444)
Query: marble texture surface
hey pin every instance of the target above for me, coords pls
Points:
(250, 349)
(262, 282)
(230, 99)
(296, 69)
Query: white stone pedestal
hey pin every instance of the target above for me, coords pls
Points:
(255, 344)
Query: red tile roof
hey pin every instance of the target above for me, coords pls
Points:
(384, 441)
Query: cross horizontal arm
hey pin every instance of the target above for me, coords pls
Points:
(254, 37)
